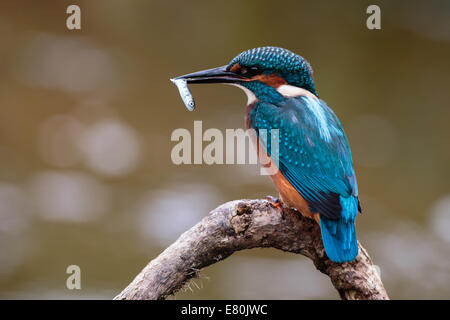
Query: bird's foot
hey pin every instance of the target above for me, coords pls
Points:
(276, 203)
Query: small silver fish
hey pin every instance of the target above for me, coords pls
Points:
(185, 94)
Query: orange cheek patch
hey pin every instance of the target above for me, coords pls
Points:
(272, 80)
(236, 67)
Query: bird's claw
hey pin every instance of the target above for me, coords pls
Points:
(276, 203)
(273, 201)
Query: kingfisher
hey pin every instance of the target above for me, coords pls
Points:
(315, 168)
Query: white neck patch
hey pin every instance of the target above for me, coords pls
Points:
(292, 91)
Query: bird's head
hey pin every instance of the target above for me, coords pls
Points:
(264, 73)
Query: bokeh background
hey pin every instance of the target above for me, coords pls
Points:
(86, 118)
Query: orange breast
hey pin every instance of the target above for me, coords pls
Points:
(291, 197)
(288, 194)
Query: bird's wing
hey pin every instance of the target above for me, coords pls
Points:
(314, 154)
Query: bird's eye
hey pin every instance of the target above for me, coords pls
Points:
(249, 71)
(254, 70)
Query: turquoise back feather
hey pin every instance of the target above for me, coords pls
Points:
(314, 156)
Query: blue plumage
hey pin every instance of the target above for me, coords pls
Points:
(314, 156)
(339, 236)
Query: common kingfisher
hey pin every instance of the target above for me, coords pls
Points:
(315, 174)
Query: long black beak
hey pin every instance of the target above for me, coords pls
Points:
(216, 75)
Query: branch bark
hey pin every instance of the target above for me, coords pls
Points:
(246, 224)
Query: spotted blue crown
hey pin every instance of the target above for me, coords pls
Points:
(288, 65)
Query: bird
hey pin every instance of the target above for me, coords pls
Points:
(315, 172)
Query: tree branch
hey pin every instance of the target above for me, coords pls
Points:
(246, 224)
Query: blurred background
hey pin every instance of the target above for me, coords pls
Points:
(86, 117)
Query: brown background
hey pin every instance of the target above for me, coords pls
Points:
(86, 118)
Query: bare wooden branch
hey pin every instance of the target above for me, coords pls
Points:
(246, 224)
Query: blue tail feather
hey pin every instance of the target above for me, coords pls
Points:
(339, 236)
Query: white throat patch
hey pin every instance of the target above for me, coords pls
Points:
(292, 91)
